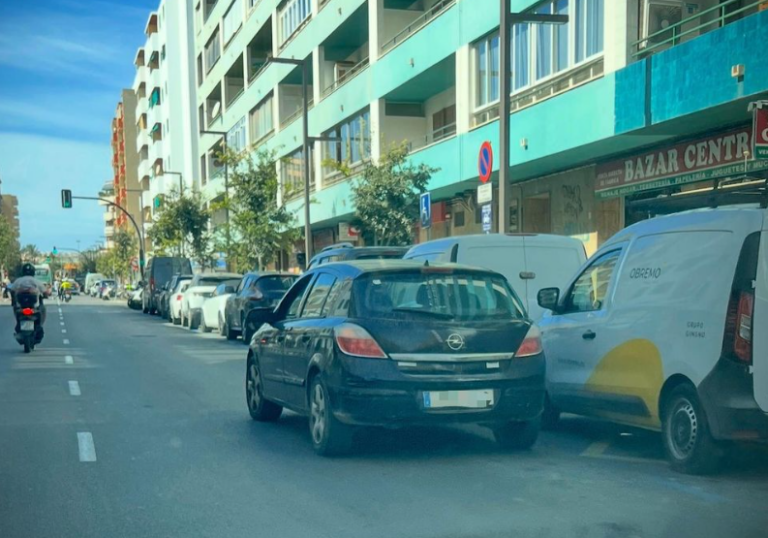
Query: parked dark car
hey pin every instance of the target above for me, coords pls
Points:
(159, 272)
(164, 297)
(349, 252)
(255, 290)
(372, 343)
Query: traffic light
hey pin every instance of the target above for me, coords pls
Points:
(66, 198)
(55, 251)
(158, 201)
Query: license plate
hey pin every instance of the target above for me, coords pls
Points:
(27, 325)
(468, 399)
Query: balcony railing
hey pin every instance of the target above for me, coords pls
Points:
(434, 12)
(296, 114)
(348, 75)
(674, 34)
(444, 132)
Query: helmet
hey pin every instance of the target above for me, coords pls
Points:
(28, 269)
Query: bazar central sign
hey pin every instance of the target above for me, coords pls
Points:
(722, 155)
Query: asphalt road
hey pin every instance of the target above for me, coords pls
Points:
(175, 454)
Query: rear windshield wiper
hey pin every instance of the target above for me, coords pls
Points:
(441, 315)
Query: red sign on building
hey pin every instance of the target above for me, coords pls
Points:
(760, 127)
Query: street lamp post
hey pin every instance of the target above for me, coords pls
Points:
(506, 20)
(228, 239)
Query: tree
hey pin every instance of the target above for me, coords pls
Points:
(182, 221)
(30, 253)
(261, 227)
(386, 196)
(9, 247)
(116, 263)
(89, 260)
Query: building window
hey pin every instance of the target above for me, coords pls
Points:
(236, 136)
(487, 70)
(292, 173)
(212, 51)
(233, 19)
(354, 143)
(521, 56)
(589, 28)
(292, 14)
(200, 73)
(261, 120)
(203, 170)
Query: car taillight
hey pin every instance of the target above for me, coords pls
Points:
(742, 342)
(178, 297)
(355, 341)
(27, 311)
(531, 344)
(151, 283)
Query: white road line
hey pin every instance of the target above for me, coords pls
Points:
(74, 388)
(63, 331)
(85, 447)
(66, 342)
(68, 359)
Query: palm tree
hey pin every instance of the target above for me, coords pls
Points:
(30, 253)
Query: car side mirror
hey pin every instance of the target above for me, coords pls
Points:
(229, 289)
(548, 298)
(258, 317)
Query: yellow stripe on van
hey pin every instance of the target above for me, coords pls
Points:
(631, 369)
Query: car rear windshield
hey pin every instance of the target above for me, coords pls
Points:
(163, 269)
(455, 296)
(212, 281)
(381, 256)
(275, 283)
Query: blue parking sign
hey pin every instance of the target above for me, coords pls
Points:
(487, 218)
(425, 210)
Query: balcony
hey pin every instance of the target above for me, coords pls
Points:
(151, 27)
(422, 111)
(259, 49)
(291, 18)
(141, 123)
(139, 60)
(292, 175)
(109, 230)
(213, 106)
(403, 21)
(156, 133)
(208, 6)
(345, 52)
(234, 82)
(290, 97)
(154, 60)
(154, 97)
(212, 51)
(711, 16)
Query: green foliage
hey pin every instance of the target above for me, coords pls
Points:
(9, 246)
(30, 253)
(261, 227)
(387, 196)
(181, 228)
(116, 262)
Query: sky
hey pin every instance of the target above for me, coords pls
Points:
(63, 64)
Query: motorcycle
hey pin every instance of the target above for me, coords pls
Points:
(67, 296)
(29, 321)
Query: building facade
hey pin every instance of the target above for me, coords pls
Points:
(108, 193)
(165, 106)
(594, 103)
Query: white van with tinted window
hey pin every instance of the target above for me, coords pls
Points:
(666, 328)
(530, 262)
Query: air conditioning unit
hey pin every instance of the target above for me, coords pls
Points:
(660, 15)
(341, 69)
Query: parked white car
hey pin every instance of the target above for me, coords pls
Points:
(213, 307)
(662, 330)
(529, 261)
(200, 288)
(174, 303)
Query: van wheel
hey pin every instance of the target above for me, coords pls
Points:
(550, 416)
(517, 435)
(689, 445)
(329, 436)
(260, 409)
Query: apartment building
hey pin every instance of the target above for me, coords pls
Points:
(109, 194)
(599, 105)
(165, 105)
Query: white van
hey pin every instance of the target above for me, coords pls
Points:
(529, 261)
(91, 279)
(657, 331)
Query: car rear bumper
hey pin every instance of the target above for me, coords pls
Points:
(728, 398)
(399, 399)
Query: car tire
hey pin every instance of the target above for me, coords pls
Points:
(245, 333)
(329, 436)
(688, 442)
(228, 332)
(192, 323)
(221, 327)
(550, 417)
(260, 409)
(204, 328)
(176, 321)
(517, 435)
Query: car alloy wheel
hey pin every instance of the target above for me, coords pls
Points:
(329, 436)
(221, 327)
(318, 416)
(259, 408)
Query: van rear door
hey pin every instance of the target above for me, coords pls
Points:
(760, 322)
(506, 257)
(549, 265)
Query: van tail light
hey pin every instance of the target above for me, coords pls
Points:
(152, 283)
(742, 342)
(531, 344)
(355, 341)
(179, 297)
(27, 312)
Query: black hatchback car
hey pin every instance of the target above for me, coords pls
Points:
(254, 290)
(391, 343)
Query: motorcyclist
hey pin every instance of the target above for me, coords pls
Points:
(65, 285)
(27, 284)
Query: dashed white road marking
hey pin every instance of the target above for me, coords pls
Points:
(74, 388)
(68, 359)
(63, 331)
(596, 449)
(85, 447)
(66, 342)
(61, 323)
